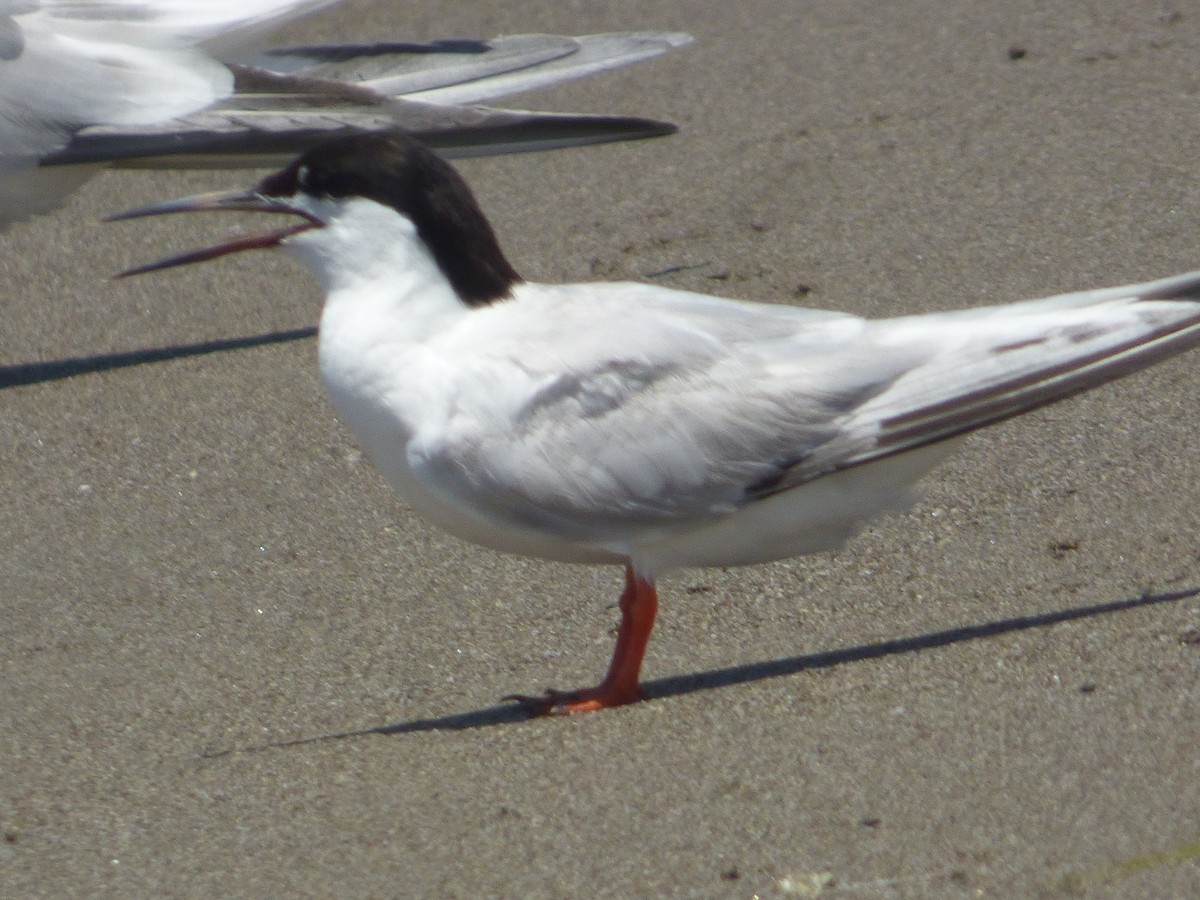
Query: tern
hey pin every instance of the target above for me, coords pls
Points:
(634, 424)
(166, 84)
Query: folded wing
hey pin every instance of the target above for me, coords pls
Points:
(705, 409)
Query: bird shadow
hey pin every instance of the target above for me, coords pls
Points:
(679, 685)
(22, 374)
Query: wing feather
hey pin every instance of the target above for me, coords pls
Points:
(678, 423)
(709, 406)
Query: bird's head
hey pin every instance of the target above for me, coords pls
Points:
(351, 195)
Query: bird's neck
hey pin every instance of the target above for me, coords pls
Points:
(381, 282)
(399, 308)
(375, 325)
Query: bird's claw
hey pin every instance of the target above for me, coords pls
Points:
(566, 703)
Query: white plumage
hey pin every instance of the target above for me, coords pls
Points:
(633, 424)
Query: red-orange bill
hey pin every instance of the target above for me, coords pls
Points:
(239, 201)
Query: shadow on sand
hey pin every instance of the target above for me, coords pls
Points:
(712, 679)
(21, 374)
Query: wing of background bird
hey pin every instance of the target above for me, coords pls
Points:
(220, 26)
(456, 72)
(66, 65)
(322, 92)
(292, 114)
(138, 83)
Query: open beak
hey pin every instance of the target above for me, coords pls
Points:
(237, 201)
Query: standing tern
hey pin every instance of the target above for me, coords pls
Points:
(162, 84)
(638, 425)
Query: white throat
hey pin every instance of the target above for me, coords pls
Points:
(376, 272)
(385, 298)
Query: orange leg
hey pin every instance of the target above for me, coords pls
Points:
(639, 605)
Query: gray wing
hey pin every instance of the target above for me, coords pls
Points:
(152, 93)
(455, 72)
(285, 101)
(994, 363)
(707, 408)
(686, 409)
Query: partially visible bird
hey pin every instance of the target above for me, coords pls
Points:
(164, 84)
(637, 425)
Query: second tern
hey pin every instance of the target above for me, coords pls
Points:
(637, 425)
(171, 84)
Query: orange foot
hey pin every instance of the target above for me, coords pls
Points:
(565, 703)
(639, 605)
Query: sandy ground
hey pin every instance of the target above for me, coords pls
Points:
(234, 665)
